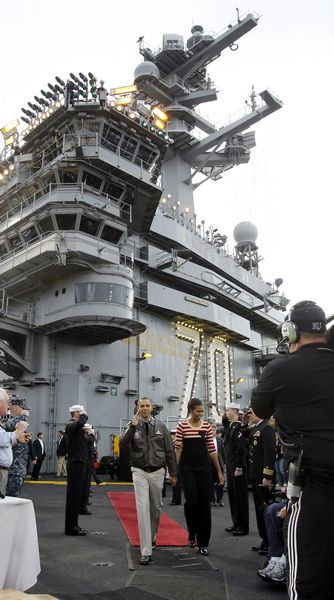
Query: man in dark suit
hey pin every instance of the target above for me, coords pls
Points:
(39, 449)
(61, 454)
(77, 459)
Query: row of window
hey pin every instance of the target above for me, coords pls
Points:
(129, 147)
(62, 222)
(104, 292)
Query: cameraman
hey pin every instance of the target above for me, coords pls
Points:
(299, 390)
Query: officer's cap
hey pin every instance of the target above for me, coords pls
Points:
(232, 405)
(76, 407)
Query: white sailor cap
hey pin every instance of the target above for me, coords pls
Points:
(232, 405)
(87, 426)
(76, 407)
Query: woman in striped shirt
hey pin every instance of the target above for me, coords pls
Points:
(194, 446)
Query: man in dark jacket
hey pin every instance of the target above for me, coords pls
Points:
(237, 487)
(77, 453)
(39, 449)
(262, 454)
(299, 391)
(61, 454)
(151, 449)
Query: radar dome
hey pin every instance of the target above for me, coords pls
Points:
(245, 232)
(146, 69)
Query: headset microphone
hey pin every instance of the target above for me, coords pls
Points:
(283, 346)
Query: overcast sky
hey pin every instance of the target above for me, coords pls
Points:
(286, 188)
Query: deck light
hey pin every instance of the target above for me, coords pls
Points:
(127, 89)
(157, 112)
(10, 126)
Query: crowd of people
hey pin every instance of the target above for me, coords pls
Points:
(281, 447)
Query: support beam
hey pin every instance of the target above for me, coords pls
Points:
(209, 53)
(271, 105)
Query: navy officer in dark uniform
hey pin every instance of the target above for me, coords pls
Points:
(262, 454)
(236, 470)
(77, 459)
(299, 390)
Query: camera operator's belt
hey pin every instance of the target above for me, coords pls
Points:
(4, 468)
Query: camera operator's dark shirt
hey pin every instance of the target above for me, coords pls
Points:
(299, 391)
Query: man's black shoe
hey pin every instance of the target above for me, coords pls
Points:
(77, 531)
(144, 560)
(262, 548)
(239, 532)
(85, 512)
(230, 529)
(174, 503)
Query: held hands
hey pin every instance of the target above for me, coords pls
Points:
(238, 473)
(173, 480)
(221, 478)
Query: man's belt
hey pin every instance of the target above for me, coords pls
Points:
(151, 469)
(4, 468)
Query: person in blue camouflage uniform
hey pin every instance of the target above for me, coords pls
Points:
(18, 470)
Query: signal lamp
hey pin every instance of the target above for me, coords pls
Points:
(10, 140)
(127, 89)
(62, 83)
(10, 126)
(157, 112)
(125, 100)
(159, 124)
(145, 355)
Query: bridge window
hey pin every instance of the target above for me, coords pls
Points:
(88, 225)
(3, 250)
(111, 234)
(92, 180)
(113, 190)
(104, 292)
(128, 147)
(110, 138)
(46, 225)
(145, 157)
(66, 221)
(29, 234)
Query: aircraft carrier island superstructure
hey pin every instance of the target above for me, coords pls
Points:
(111, 287)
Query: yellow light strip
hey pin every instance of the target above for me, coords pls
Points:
(127, 89)
(10, 126)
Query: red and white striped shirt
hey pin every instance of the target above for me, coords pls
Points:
(186, 433)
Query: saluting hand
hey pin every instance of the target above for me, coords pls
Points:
(135, 419)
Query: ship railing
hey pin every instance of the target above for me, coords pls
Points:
(15, 309)
(145, 48)
(266, 352)
(176, 80)
(45, 193)
(147, 166)
(71, 141)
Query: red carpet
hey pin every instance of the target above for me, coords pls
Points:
(170, 532)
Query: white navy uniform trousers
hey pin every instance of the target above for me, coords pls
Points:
(148, 494)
